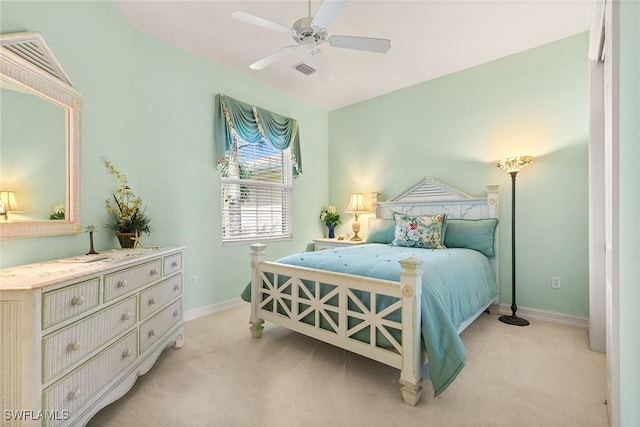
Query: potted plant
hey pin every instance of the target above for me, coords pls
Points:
(331, 218)
(57, 212)
(127, 214)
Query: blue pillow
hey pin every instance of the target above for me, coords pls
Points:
(477, 234)
(380, 231)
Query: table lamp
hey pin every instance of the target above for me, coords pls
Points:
(357, 205)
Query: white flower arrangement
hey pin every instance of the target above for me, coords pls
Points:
(57, 212)
(330, 216)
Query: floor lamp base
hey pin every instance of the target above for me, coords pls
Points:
(514, 320)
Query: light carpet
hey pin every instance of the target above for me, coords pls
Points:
(540, 375)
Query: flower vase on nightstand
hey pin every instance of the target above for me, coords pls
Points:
(332, 228)
(330, 217)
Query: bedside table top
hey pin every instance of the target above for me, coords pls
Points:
(336, 242)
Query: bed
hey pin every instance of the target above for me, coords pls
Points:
(402, 306)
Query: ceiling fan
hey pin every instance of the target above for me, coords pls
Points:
(311, 32)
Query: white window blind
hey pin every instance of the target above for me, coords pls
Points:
(256, 193)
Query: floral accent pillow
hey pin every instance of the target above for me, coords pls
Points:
(419, 231)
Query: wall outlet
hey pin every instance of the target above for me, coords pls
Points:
(555, 282)
(194, 281)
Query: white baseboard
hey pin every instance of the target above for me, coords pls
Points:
(533, 313)
(197, 313)
(548, 316)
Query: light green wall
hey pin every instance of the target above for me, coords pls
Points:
(629, 145)
(148, 107)
(453, 127)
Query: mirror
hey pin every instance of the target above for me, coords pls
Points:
(39, 141)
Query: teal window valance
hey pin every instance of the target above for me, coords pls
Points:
(254, 125)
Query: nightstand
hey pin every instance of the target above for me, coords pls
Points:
(334, 243)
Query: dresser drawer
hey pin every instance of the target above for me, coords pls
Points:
(65, 347)
(120, 283)
(158, 325)
(172, 263)
(82, 384)
(157, 296)
(62, 304)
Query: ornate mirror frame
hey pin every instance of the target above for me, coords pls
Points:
(27, 61)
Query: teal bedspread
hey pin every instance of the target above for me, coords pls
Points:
(456, 283)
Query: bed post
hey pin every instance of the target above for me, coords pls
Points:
(493, 193)
(411, 288)
(257, 256)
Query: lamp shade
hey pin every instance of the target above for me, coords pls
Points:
(9, 201)
(513, 164)
(357, 204)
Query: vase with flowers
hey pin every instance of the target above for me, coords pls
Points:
(127, 214)
(331, 218)
(57, 212)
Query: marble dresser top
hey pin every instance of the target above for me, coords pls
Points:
(31, 276)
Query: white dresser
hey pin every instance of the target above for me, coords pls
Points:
(75, 333)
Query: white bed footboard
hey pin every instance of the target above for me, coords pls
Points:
(334, 307)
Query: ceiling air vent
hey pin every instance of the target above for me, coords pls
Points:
(304, 68)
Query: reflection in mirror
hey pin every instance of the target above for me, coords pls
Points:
(32, 162)
(40, 140)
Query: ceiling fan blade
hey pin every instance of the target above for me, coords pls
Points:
(361, 43)
(268, 60)
(327, 12)
(265, 23)
(322, 65)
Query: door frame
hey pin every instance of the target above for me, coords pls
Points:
(603, 194)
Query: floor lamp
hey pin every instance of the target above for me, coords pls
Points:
(512, 165)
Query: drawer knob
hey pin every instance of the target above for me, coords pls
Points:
(176, 287)
(176, 313)
(77, 300)
(174, 264)
(125, 316)
(152, 301)
(126, 353)
(121, 283)
(152, 332)
(75, 393)
(74, 346)
(153, 271)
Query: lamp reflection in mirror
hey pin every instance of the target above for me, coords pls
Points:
(8, 203)
(357, 205)
(513, 165)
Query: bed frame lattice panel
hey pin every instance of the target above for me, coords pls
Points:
(353, 314)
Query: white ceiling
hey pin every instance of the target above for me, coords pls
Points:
(428, 38)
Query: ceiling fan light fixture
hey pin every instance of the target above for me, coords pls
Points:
(309, 42)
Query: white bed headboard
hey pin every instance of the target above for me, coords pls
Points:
(430, 196)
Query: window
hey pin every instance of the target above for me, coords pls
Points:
(256, 192)
(259, 155)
